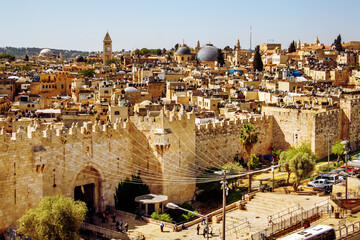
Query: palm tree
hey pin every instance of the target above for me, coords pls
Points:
(248, 138)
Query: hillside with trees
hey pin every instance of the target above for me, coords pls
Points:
(32, 52)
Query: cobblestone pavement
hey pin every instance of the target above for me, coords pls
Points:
(257, 219)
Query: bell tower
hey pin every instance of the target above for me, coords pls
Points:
(107, 48)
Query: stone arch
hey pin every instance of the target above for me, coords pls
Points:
(87, 186)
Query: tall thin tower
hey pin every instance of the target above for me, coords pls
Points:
(250, 36)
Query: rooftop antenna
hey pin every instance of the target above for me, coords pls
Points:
(250, 36)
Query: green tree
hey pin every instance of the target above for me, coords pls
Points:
(87, 73)
(211, 190)
(302, 165)
(112, 60)
(254, 162)
(126, 192)
(9, 57)
(56, 218)
(26, 58)
(227, 48)
(176, 46)
(276, 153)
(248, 139)
(220, 58)
(292, 47)
(235, 166)
(290, 157)
(338, 45)
(257, 63)
(338, 149)
(26, 68)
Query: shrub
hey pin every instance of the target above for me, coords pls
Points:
(234, 196)
(164, 217)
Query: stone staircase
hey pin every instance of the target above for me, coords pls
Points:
(267, 204)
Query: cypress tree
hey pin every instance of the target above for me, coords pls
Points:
(292, 47)
(338, 45)
(220, 58)
(257, 63)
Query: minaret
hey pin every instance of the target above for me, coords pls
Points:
(238, 47)
(298, 46)
(107, 44)
(197, 48)
(317, 42)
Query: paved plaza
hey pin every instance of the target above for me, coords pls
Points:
(257, 212)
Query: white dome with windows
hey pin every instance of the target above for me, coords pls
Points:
(130, 89)
(46, 53)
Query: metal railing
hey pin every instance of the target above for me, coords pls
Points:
(292, 219)
(346, 230)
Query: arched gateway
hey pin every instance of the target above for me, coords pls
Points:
(87, 188)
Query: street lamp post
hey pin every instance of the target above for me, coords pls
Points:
(347, 149)
(328, 152)
(223, 172)
(174, 206)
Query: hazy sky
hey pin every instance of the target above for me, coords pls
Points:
(82, 24)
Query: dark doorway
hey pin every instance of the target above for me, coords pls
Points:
(151, 208)
(85, 193)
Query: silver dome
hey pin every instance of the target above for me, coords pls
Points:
(184, 50)
(207, 53)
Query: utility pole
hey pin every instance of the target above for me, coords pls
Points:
(328, 152)
(273, 172)
(224, 204)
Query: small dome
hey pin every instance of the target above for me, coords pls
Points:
(130, 89)
(79, 58)
(46, 53)
(207, 53)
(184, 50)
(146, 102)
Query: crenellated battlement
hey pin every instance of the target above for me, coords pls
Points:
(329, 113)
(40, 131)
(229, 126)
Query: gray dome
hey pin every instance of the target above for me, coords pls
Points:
(130, 89)
(207, 53)
(184, 50)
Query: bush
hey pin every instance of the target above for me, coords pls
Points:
(164, 217)
(233, 197)
(181, 216)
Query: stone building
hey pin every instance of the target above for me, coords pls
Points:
(107, 48)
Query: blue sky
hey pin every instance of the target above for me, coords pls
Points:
(82, 24)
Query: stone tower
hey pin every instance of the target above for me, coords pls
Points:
(107, 50)
(197, 48)
(317, 42)
(238, 47)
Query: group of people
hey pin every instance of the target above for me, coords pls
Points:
(204, 230)
(119, 226)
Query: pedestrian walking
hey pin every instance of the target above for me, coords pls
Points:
(211, 230)
(203, 221)
(198, 229)
(270, 220)
(204, 231)
(114, 217)
(175, 228)
(121, 223)
(126, 227)
(162, 226)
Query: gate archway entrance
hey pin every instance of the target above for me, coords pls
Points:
(87, 188)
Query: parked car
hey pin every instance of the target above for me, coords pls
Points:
(320, 183)
(342, 173)
(332, 178)
(349, 169)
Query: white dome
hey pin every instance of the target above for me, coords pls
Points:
(46, 53)
(146, 102)
(130, 89)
